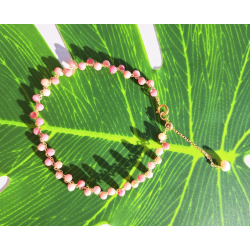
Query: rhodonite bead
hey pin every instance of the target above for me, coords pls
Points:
(127, 74)
(87, 192)
(46, 92)
(112, 69)
(151, 165)
(82, 66)
(106, 64)
(141, 81)
(225, 165)
(44, 137)
(36, 131)
(59, 175)
(39, 107)
(121, 192)
(153, 92)
(71, 186)
(39, 121)
(127, 186)
(134, 184)
(136, 73)
(149, 174)
(68, 72)
(165, 146)
(97, 190)
(159, 151)
(54, 80)
(158, 160)
(45, 82)
(33, 115)
(121, 67)
(97, 66)
(58, 164)
(68, 177)
(111, 191)
(162, 136)
(141, 177)
(81, 184)
(50, 151)
(58, 71)
(150, 83)
(41, 147)
(90, 62)
(36, 98)
(103, 195)
(72, 64)
(48, 162)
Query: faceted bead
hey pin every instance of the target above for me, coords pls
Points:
(71, 186)
(97, 66)
(68, 177)
(150, 83)
(50, 151)
(141, 81)
(44, 137)
(162, 136)
(90, 62)
(39, 121)
(59, 175)
(33, 115)
(121, 67)
(121, 192)
(165, 146)
(36, 98)
(58, 164)
(141, 178)
(87, 192)
(68, 72)
(112, 69)
(151, 165)
(36, 131)
(45, 82)
(225, 165)
(111, 191)
(103, 195)
(153, 92)
(54, 80)
(97, 190)
(46, 92)
(82, 65)
(72, 64)
(41, 147)
(159, 151)
(58, 71)
(48, 162)
(136, 73)
(106, 64)
(158, 160)
(149, 174)
(134, 184)
(81, 184)
(127, 74)
(39, 107)
(127, 186)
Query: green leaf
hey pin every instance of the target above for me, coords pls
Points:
(104, 128)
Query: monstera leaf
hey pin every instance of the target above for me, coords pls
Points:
(104, 127)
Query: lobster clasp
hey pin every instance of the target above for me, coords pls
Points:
(163, 113)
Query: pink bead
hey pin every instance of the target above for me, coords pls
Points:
(36, 98)
(59, 175)
(127, 186)
(87, 192)
(36, 131)
(68, 72)
(58, 71)
(112, 69)
(82, 65)
(46, 92)
(162, 136)
(58, 164)
(90, 62)
(141, 178)
(121, 192)
(71, 186)
(136, 73)
(97, 66)
(39, 121)
(111, 191)
(48, 162)
(72, 64)
(44, 137)
(153, 92)
(54, 80)
(106, 64)
(103, 195)
(134, 184)
(45, 82)
(41, 147)
(165, 146)
(127, 74)
(121, 67)
(159, 151)
(151, 165)
(33, 115)
(81, 184)
(150, 83)
(149, 174)
(68, 177)
(141, 81)
(96, 189)
(39, 107)
(50, 151)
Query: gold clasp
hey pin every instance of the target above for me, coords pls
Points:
(163, 113)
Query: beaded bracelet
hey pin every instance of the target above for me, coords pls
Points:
(49, 152)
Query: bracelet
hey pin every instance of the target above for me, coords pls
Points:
(162, 110)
